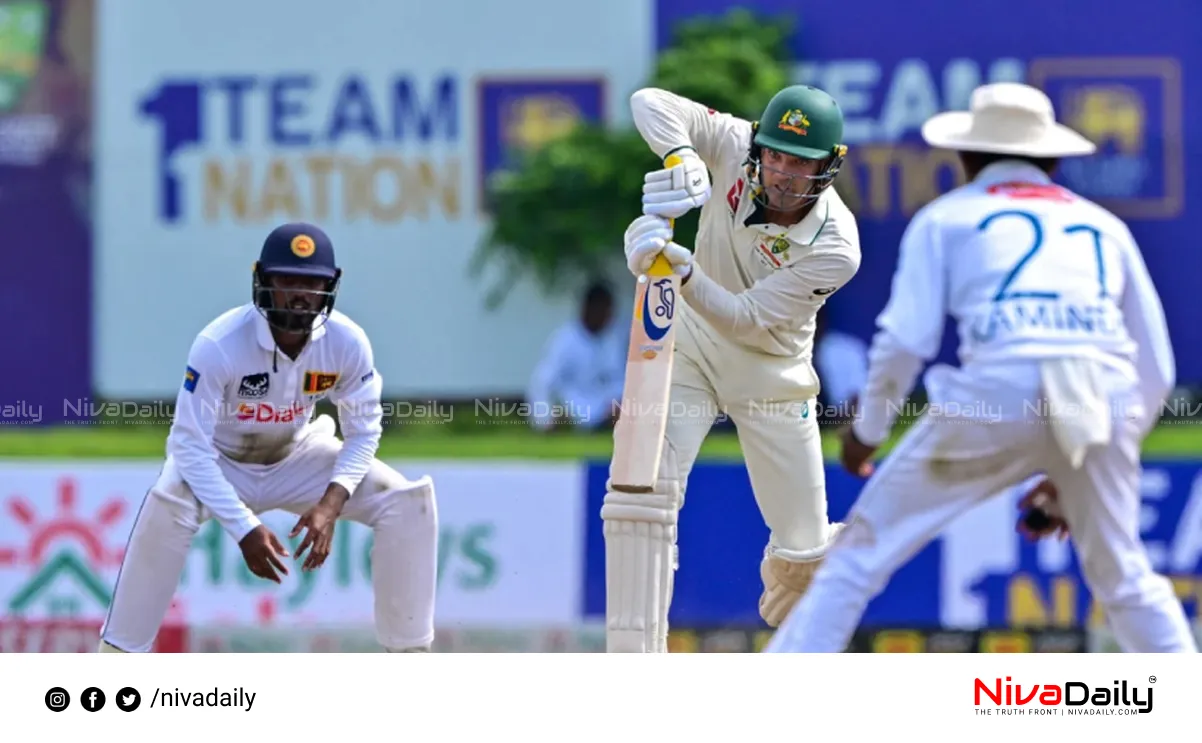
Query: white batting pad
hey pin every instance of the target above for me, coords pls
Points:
(787, 575)
(640, 560)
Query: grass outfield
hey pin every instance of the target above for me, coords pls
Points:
(1181, 441)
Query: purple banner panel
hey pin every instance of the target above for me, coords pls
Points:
(45, 227)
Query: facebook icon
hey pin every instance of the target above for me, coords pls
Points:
(92, 699)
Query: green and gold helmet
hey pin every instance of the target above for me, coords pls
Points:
(805, 122)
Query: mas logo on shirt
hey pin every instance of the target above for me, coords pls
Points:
(318, 382)
(191, 377)
(254, 386)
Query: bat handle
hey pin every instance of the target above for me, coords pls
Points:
(671, 161)
(661, 267)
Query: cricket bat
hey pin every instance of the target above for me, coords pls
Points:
(639, 431)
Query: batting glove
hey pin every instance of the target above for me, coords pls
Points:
(647, 237)
(672, 192)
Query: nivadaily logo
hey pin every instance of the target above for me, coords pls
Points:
(1068, 698)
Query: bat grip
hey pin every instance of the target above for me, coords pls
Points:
(671, 161)
(661, 267)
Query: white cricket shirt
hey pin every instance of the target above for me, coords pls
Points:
(246, 401)
(1028, 270)
(760, 285)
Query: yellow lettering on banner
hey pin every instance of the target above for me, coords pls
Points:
(445, 187)
(226, 190)
(355, 188)
(1189, 591)
(920, 176)
(879, 164)
(899, 641)
(319, 168)
(898, 180)
(393, 170)
(384, 188)
(279, 192)
(389, 189)
(1027, 606)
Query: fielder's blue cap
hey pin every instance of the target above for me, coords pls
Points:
(298, 249)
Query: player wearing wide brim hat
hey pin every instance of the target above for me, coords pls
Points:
(1065, 365)
(1006, 119)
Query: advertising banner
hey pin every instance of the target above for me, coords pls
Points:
(575, 638)
(979, 573)
(385, 139)
(45, 172)
(1122, 80)
(896, 640)
(511, 551)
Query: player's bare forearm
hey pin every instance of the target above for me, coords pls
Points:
(335, 497)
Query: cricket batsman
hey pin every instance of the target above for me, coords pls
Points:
(770, 251)
(1065, 364)
(243, 443)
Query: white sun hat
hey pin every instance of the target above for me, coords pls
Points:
(1006, 119)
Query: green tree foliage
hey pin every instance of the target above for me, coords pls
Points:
(560, 213)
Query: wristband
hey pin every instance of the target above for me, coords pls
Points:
(675, 150)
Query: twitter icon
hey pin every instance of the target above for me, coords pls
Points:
(128, 699)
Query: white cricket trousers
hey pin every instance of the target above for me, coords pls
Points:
(401, 513)
(943, 467)
(773, 403)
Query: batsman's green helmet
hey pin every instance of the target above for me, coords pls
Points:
(803, 121)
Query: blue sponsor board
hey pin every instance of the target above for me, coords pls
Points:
(518, 115)
(302, 118)
(979, 573)
(1120, 78)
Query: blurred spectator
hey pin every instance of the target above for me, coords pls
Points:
(579, 380)
(841, 361)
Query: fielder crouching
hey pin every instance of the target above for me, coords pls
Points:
(243, 443)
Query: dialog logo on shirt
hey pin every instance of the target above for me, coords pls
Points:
(265, 412)
(254, 386)
(1022, 190)
(318, 382)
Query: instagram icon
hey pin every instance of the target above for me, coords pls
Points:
(57, 699)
